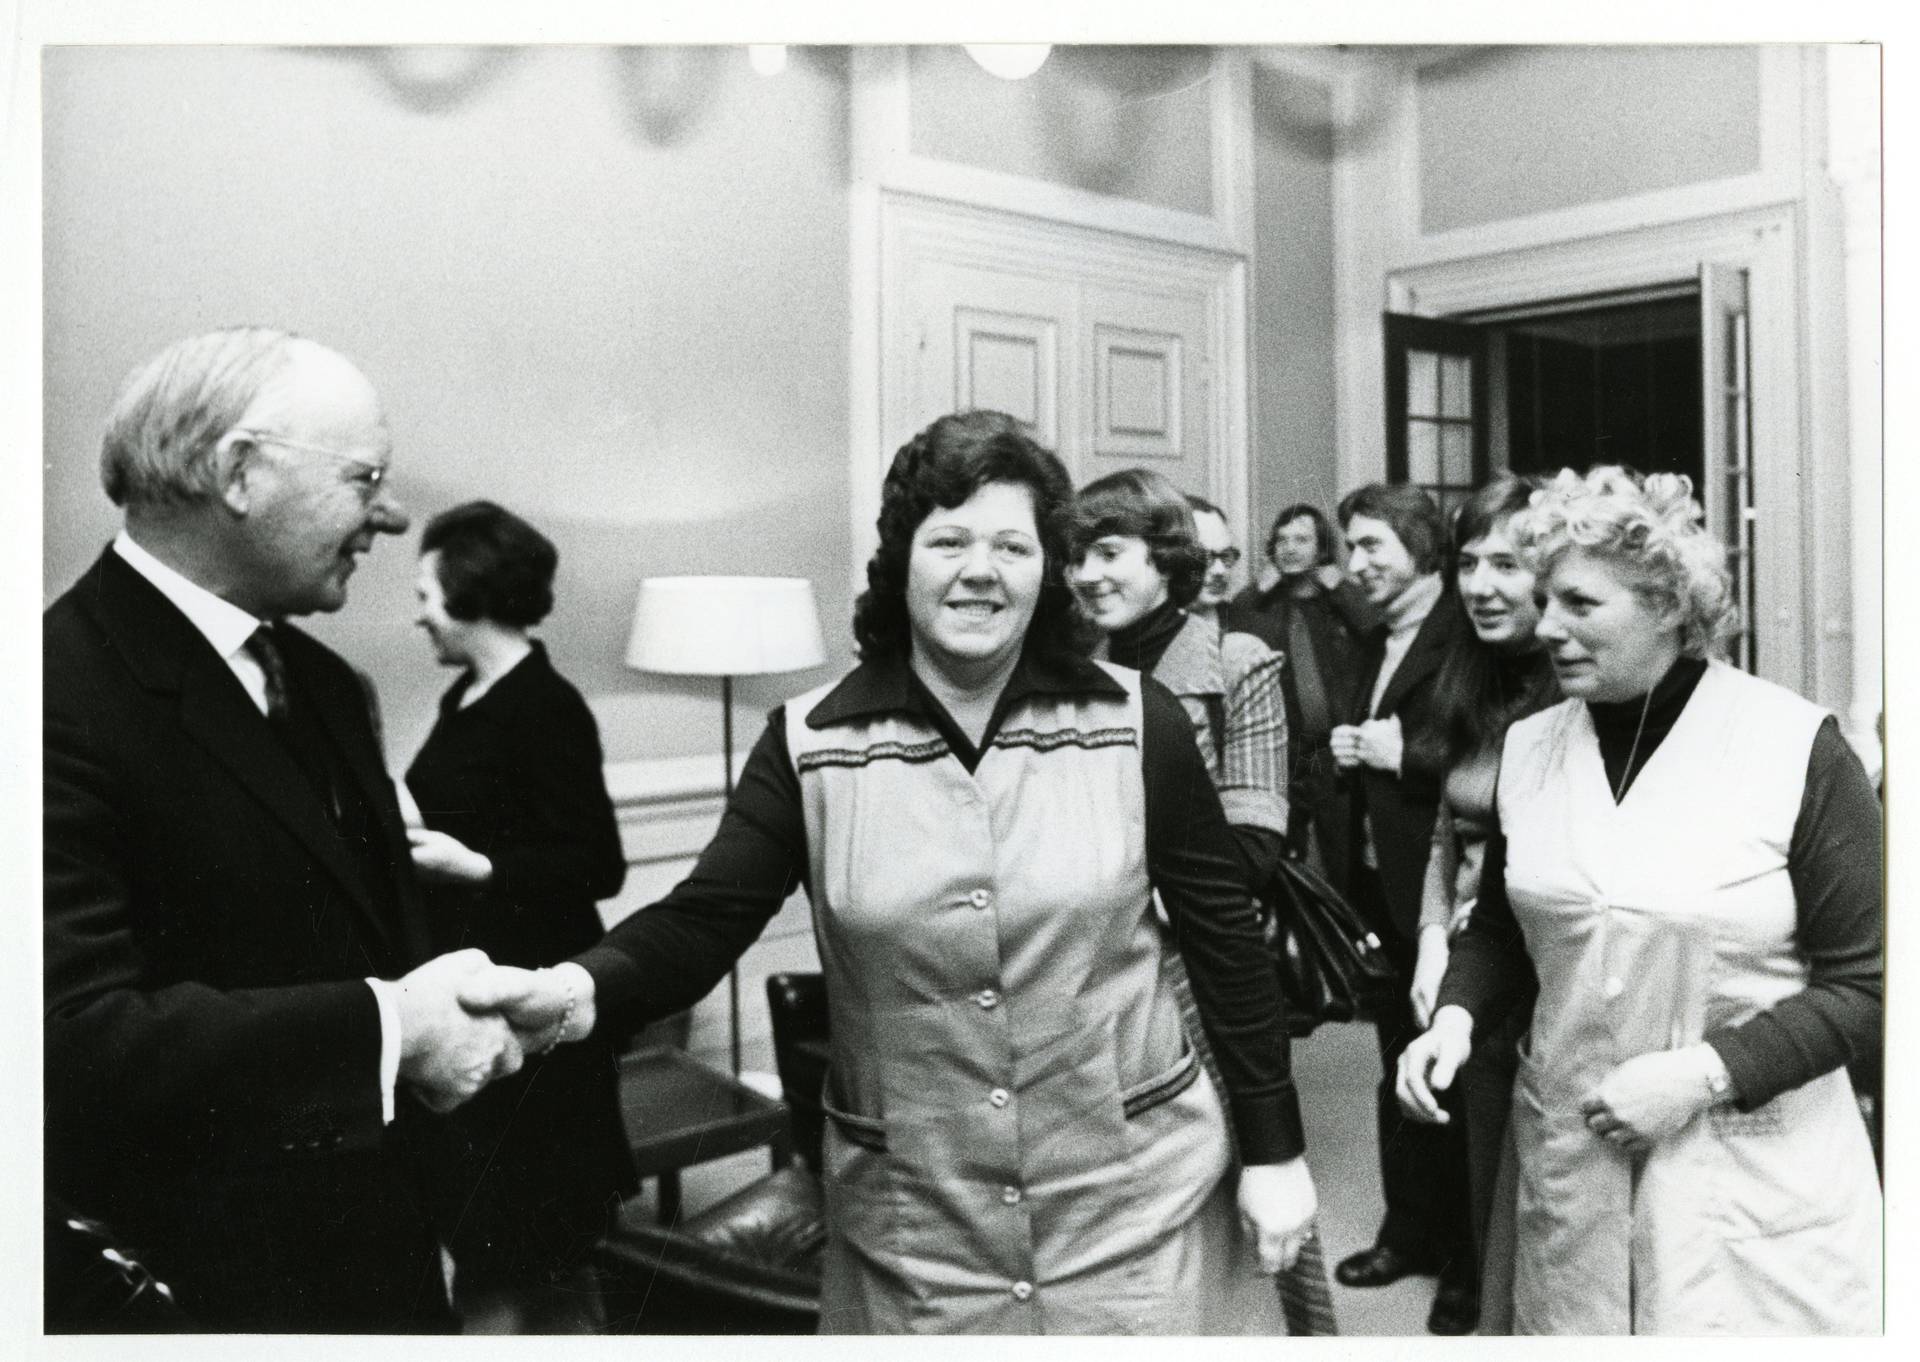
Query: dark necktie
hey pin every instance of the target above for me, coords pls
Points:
(296, 729)
(261, 648)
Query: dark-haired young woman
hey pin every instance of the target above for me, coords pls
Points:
(520, 843)
(1493, 675)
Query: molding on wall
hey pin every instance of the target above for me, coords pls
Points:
(886, 174)
(915, 230)
(1779, 179)
(667, 807)
(1372, 219)
(1765, 243)
(884, 156)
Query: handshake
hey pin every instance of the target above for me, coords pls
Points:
(465, 1021)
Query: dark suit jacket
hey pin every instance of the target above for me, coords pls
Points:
(212, 1052)
(1401, 808)
(1337, 622)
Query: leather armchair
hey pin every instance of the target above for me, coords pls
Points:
(751, 1263)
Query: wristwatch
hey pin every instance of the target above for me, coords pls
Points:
(1719, 1081)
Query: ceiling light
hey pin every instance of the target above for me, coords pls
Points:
(1009, 61)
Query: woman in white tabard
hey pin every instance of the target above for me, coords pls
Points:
(1690, 859)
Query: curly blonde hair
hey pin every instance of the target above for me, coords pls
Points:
(1651, 524)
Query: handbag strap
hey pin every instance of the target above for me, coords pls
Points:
(1217, 723)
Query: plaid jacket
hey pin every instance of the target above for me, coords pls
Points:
(1230, 685)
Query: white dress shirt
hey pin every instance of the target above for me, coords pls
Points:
(227, 627)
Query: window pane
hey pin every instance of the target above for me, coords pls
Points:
(1423, 452)
(1456, 386)
(1423, 383)
(1456, 455)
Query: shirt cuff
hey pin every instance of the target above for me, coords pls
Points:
(389, 1006)
(1268, 1125)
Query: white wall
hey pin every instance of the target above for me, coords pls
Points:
(603, 288)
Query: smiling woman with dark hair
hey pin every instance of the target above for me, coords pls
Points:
(1020, 1139)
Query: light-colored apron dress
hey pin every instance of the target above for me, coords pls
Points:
(1651, 923)
(1021, 1139)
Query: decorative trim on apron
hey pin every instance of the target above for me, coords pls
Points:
(883, 751)
(1144, 1097)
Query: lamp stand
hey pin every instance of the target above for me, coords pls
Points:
(726, 784)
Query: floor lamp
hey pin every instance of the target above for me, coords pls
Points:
(725, 627)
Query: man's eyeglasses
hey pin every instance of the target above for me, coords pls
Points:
(1226, 558)
(370, 475)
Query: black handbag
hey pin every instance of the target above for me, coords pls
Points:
(1332, 967)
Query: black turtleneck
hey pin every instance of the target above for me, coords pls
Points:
(1624, 737)
(1141, 645)
(1834, 861)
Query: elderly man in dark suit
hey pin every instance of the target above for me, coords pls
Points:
(242, 1025)
(1396, 538)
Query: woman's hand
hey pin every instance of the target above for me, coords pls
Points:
(1277, 1205)
(1428, 1065)
(1650, 1097)
(1429, 967)
(440, 859)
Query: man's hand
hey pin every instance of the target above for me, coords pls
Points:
(440, 859)
(1427, 1066)
(1648, 1098)
(1277, 1205)
(447, 1052)
(545, 1007)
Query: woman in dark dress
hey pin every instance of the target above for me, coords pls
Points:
(520, 842)
(1496, 673)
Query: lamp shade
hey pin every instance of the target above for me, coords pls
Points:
(725, 626)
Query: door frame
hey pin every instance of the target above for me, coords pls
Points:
(1762, 241)
(995, 218)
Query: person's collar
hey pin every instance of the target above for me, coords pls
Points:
(224, 625)
(1191, 663)
(1658, 711)
(1412, 606)
(885, 685)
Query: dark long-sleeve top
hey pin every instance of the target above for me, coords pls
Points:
(518, 776)
(1833, 862)
(667, 956)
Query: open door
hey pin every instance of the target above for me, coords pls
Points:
(1436, 405)
(1727, 489)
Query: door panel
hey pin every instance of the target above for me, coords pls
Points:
(1007, 362)
(1106, 374)
(1149, 406)
(987, 338)
(1726, 487)
(1112, 349)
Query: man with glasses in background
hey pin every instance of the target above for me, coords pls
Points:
(1216, 541)
(242, 1039)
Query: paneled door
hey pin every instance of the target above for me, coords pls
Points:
(1113, 352)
